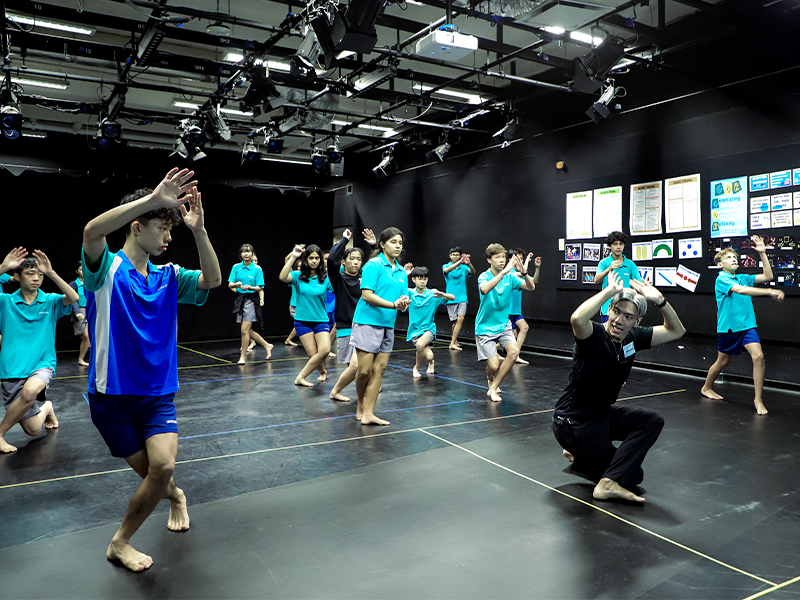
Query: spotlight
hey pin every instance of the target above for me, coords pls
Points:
(215, 128)
(9, 110)
(440, 151)
(319, 160)
(250, 151)
(333, 152)
(587, 72)
(601, 109)
(274, 145)
(110, 129)
(387, 165)
(354, 30)
(261, 93)
(189, 143)
(303, 62)
(509, 129)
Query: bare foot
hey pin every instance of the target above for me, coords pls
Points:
(489, 383)
(607, 489)
(50, 421)
(455, 347)
(82, 363)
(323, 377)
(373, 420)
(5, 447)
(339, 397)
(131, 559)
(415, 373)
(493, 394)
(289, 343)
(178, 514)
(269, 351)
(568, 456)
(303, 382)
(241, 361)
(251, 346)
(522, 361)
(709, 393)
(760, 408)
(430, 370)
(331, 354)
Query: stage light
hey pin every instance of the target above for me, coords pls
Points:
(602, 108)
(110, 129)
(190, 141)
(333, 152)
(10, 112)
(250, 151)
(319, 160)
(440, 151)
(587, 72)
(261, 93)
(31, 21)
(509, 129)
(387, 165)
(274, 145)
(215, 128)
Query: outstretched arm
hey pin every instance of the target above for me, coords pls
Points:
(70, 295)
(745, 290)
(286, 272)
(527, 281)
(672, 329)
(581, 318)
(761, 248)
(170, 193)
(194, 218)
(13, 259)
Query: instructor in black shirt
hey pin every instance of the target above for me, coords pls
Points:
(586, 421)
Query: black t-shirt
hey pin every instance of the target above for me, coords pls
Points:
(599, 368)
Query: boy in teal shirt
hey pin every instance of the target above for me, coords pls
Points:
(492, 325)
(455, 275)
(28, 354)
(624, 267)
(421, 313)
(736, 319)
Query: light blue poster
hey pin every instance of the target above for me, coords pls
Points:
(729, 207)
(759, 182)
(796, 173)
(780, 179)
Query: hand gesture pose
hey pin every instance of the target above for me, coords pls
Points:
(615, 282)
(14, 259)
(193, 216)
(171, 192)
(369, 236)
(537, 262)
(402, 303)
(43, 263)
(650, 292)
(758, 244)
(298, 250)
(439, 294)
(347, 234)
(408, 267)
(514, 263)
(465, 259)
(777, 294)
(616, 264)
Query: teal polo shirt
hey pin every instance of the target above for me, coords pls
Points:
(387, 282)
(81, 289)
(626, 272)
(311, 297)
(456, 282)
(248, 275)
(492, 318)
(421, 312)
(734, 311)
(5, 278)
(29, 333)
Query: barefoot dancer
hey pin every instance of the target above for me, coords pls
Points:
(293, 300)
(28, 354)
(247, 281)
(347, 287)
(455, 275)
(518, 323)
(133, 371)
(736, 319)
(586, 420)
(79, 316)
(261, 304)
(384, 285)
(421, 318)
(311, 285)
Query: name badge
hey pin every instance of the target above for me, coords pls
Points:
(628, 350)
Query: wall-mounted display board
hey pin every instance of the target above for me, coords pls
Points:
(607, 211)
(646, 208)
(683, 203)
(579, 215)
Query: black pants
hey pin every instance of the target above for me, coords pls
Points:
(590, 443)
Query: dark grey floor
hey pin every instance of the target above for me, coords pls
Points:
(290, 497)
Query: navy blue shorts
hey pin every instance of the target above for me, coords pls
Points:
(733, 342)
(603, 318)
(126, 421)
(304, 327)
(332, 319)
(513, 319)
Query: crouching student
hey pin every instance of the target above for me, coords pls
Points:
(421, 317)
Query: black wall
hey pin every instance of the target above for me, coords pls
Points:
(516, 196)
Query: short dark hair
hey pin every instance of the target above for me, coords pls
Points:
(171, 216)
(419, 272)
(349, 251)
(384, 237)
(28, 263)
(244, 247)
(456, 249)
(616, 236)
(514, 251)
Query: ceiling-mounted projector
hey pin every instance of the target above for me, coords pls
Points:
(447, 45)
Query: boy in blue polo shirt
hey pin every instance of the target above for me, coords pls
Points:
(421, 313)
(736, 319)
(79, 324)
(28, 354)
(133, 373)
(492, 325)
(455, 275)
(247, 282)
(624, 267)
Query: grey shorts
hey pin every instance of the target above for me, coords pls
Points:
(248, 315)
(487, 343)
(453, 310)
(292, 310)
(79, 326)
(369, 338)
(13, 387)
(426, 334)
(344, 351)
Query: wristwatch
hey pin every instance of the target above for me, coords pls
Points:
(662, 304)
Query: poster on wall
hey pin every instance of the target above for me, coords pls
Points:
(729, 207)
(572, 252)
(782, 218)
(759, 183)
(796, 199)
(579, 215)
(690, 248)
(641, 251)
(760, 221)
(686, 278)
(591, 252)
(760, 204)
(646, 205)
(569, 272)
(607, 211)
(781, 201)
(588, 274)
(665, 276)
(797, 217)
(663, 248)
(796, 177)
(780, 179)
(682, 203)
(646, 273)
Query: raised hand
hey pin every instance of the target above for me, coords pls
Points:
(537, 261)
(408, 267)
(347, 234)
(758, 244)
(465, 259)
(615, 282)
(650, 292)
(14, 259)
(369, 236)
(298, 250)
(527, 261)
(43, 262)
(193, 217)
(171, 192)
